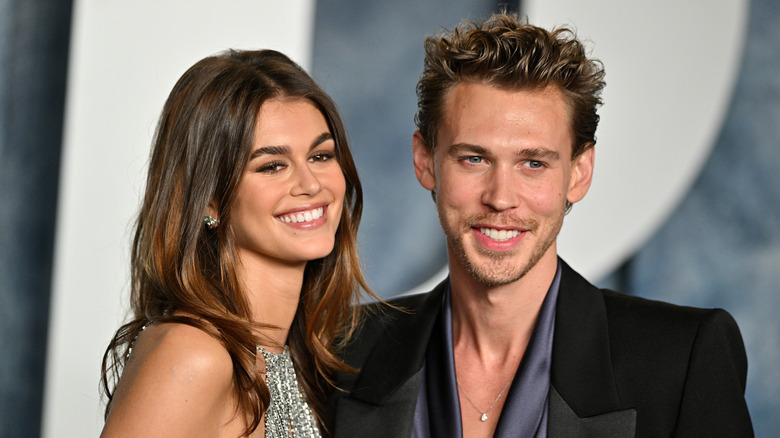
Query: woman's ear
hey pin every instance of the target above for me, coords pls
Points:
(211, 210)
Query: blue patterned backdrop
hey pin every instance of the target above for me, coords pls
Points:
(719, 248)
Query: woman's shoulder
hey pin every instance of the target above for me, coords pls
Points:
(177, 335)
(177, 376)
(181, 354)
(182, 346)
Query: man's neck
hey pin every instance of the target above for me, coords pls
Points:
(496, 323)
(491, 329)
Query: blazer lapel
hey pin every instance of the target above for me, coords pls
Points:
(390, 375)
(564, 423)
(584, 400)
(400, 350)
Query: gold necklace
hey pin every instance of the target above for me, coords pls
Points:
(484, 416)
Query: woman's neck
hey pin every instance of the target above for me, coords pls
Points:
(273, 291)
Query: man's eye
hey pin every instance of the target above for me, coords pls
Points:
(533, 164)
(474, 159)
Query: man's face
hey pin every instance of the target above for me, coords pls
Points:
(502, 171)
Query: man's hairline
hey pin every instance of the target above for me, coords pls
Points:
(447, 94)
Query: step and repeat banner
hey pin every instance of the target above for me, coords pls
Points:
(672, 71)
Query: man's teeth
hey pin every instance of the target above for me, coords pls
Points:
(499, 235)
(302, 216)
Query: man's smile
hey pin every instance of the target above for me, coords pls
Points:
(499, 234)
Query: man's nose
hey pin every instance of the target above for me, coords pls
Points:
(501, 190)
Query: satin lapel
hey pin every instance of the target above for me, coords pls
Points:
(582, 376)
(399, 352)
(564, 423)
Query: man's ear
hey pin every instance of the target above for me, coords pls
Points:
(423, 162)
(581, 175)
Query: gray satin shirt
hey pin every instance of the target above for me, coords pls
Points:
(437, 413)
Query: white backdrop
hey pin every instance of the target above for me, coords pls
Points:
(670, 70)
(125, 58)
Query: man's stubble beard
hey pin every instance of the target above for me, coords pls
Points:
(499, 271)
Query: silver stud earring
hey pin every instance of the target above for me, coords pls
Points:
(211, 222)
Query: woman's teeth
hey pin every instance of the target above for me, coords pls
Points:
(302, 216)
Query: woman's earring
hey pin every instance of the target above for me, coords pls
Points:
(211, 222)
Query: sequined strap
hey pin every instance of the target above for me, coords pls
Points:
(135, 338)
(288, 415)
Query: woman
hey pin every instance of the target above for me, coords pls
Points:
(244, 257)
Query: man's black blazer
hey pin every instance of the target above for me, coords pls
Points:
(622, 366)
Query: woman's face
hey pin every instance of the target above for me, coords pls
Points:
(291, 195)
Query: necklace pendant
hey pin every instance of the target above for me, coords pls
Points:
(484, 418)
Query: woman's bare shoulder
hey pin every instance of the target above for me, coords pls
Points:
(178, 381)
(174, 348)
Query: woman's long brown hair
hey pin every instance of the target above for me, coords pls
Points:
(179, 267)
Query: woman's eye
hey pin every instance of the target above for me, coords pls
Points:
(272, 167)
(320, 157)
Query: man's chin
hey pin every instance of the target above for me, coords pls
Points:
(499, 271)
(496, 280)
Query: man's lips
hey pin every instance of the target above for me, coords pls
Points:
(499, 234)
(502, 232)
(498, 239)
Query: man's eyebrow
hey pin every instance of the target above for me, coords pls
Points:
(461, 148)
(525, 153)
(286, 150)
(538, 153)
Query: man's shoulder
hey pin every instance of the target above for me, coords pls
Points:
(644, 331)
(398, 321)
(402, 308)
(637, 310)
(681, 367)
(636, 324)
(634, 310)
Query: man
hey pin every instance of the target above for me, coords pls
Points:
(514, 342)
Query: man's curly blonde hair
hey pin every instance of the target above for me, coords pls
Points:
(507, 52)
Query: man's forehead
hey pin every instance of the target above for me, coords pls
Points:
(482, 114)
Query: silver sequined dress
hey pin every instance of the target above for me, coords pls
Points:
(288, 415)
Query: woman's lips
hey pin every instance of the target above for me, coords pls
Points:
(302, 216)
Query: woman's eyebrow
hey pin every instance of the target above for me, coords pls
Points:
(286, 150)
(322, 138)
(270, 150)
